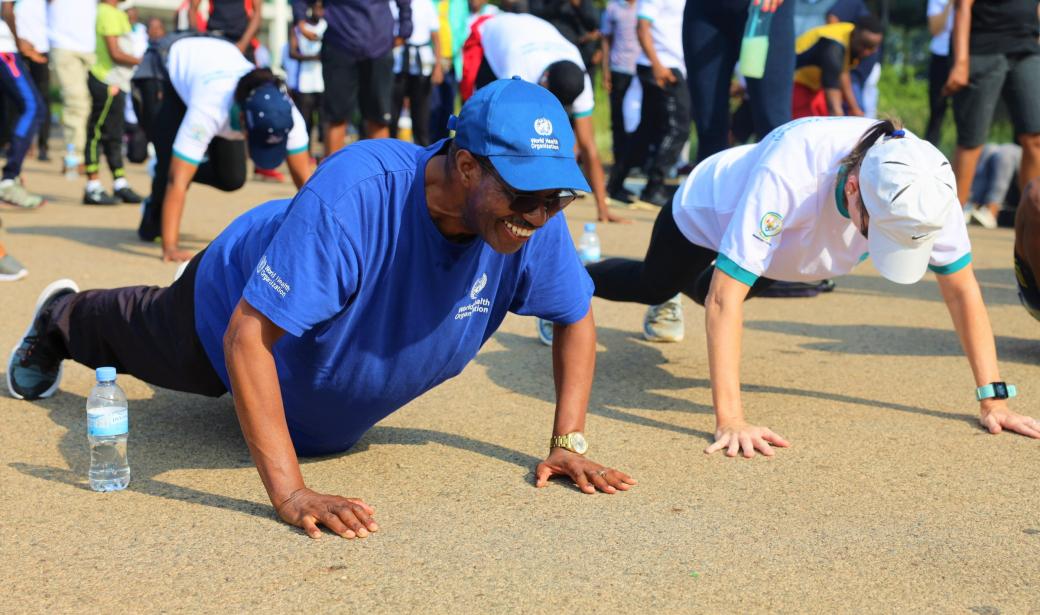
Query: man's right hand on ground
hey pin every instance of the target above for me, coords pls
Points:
(348, 517)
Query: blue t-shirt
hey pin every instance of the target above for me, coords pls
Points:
(379, 306)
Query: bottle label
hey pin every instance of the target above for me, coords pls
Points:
(590, 255)
(112, 421)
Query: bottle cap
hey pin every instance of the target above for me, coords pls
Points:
(106, 374)
(590, 227)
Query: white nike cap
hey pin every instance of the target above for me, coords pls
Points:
(908, 188)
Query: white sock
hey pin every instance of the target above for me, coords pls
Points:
(94, 185)
(120, 183)
(6, 182)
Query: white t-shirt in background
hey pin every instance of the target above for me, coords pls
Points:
(425, 22)
(310, 79)
(666, 18)
(71, 25)
(525, 45)
(769, 209)
(30, 17)
(205, 72)
(940, 44)
(7, 42)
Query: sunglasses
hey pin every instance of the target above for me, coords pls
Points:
(527, 202)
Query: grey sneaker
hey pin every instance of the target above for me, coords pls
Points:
(15, 194)
(34, 370)
(664, 322)
(11, 269)
(545, 331)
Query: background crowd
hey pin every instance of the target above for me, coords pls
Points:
(667, 69)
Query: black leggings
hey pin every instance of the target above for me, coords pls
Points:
(417, 88)
(105, 128)
(672, 265)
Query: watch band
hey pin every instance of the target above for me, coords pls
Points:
(996, 390)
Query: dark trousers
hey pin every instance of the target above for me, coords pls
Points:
(309, 105)
(41, 76)
(442, 105)
(664, 124)
(105, 128)
(28, 111)
(938, 72)
(712, 32)
(417, 88)
(145, 331)
(672, 265)
(619, 83)
(224, 167)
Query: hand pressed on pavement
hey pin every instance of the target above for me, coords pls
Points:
(738, 436)
(348, 517)
(999, 417)
(611, 218)
(588, 475)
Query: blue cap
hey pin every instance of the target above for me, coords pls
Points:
(105, 374)
(522, 128)
(269, 119)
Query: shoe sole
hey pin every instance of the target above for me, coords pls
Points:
(46, 294)
(657, 339)
(13, 277)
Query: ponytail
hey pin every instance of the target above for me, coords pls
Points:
(890, 129)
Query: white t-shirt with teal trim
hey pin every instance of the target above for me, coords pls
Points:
(204, 71)
(666, 18)
(525, 45)
(769, 209)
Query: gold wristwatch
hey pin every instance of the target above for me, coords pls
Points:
(574, 442)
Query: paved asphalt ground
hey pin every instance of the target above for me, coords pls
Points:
(891, 498)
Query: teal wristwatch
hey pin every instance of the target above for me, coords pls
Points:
(996, 390)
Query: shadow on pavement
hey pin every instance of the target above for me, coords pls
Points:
(998, 286)
(177, 431)
(123, 240)
(895, 340)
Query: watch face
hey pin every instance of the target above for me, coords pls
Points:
(1000, 390)
(578, 443)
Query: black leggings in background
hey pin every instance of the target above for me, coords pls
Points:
(224, 167)
(672, 265)
(938, 72)
(417, 88)
(309, 105)
(105, 128)
(619, 83)
(41, 76)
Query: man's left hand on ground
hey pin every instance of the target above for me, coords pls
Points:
(588, 475)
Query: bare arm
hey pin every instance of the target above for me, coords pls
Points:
(963, 299)
(299, 167)
(937, 22)
(255, 20)
(437, 77)
(118, 55)
(605, 63)
(662, 74)
(193, 13)
(585, 135)
(835, 98)
(181, 174)
(249, 356)
(848, 96)
(574, 363)
(724, 324)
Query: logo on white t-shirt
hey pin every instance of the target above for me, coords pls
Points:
(479, 304)
(769, 226)
(543, 126)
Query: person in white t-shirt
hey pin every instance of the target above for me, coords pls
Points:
(31, 17)
(664, 124)
(940, 24)
(512, 44)
(214, 104)
(71, 28)
(308, 83)
(416, 70)
(811, 201)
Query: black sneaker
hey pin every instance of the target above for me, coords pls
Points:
(150, 228)
(126, 194)
(622, 196)
(34, 369)
(656, 195)
(98, 196)
(43, 157)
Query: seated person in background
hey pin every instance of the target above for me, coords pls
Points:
(507, 45)
(213, 102)
(824, 57)
(994, 176)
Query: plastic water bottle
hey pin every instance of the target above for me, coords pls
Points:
(588, 245)
(107, 428)
(754, 47)
(71, 162)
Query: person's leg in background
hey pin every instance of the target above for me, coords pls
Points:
(1022, 95)
(938, 72)
(112, 130)
(305, 105)
(419, 89)
(442, 104)
(100, 110)
(1027, 248)
(41, 76)
(225, 165)
(770, 97)
(711, 44)
(673, 103)
(397, 96)
(973, 109)
(164, 126)
(10, 269)
(619, 83)
(341, 94)
(71, 69)
(639, 143)
(376, 87)
(18, 87)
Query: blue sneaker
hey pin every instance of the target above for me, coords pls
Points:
(545, 331)
(34, 370)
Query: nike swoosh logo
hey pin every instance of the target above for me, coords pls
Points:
(916, 237)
